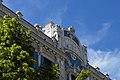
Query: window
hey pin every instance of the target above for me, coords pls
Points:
(67, 76)
(66, 33)
(46, 61)
(75, 40)
(36, 59)
(73, 57)
(73, 77)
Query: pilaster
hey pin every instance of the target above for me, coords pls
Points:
(60, 61)
(69, 76)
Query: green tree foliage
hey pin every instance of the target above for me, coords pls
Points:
(49, 72)
(1, 0)
(84, 74)
(16, 52)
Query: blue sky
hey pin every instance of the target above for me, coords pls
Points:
(96, 22)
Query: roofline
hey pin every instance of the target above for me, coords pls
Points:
(31, 26)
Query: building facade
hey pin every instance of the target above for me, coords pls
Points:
(54, 44)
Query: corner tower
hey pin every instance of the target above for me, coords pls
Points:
(68, 42)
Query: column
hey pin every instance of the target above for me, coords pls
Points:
(39, 54)
(69, 76)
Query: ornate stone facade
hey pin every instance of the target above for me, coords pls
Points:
(57, 45)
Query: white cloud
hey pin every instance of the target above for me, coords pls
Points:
(56, 16)
(95, 37)
(108, 61)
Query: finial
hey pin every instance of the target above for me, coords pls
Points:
(37, 26)
(107, 75)
(71, 29)
(19, 14)
(97, 68)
